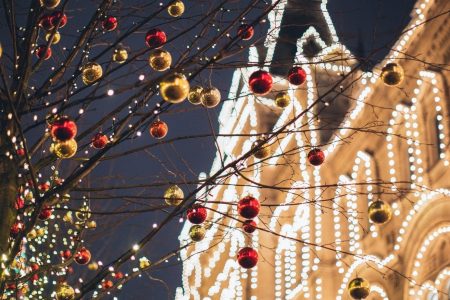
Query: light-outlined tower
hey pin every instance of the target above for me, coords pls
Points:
(312, 218)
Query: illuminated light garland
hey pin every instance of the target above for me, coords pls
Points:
(374, 288)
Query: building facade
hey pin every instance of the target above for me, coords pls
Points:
(380, 142)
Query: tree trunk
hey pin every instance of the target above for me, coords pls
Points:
(8, 190)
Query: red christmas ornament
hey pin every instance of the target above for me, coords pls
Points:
(20, 203)
(246, 32)
(43, 52)
(66, 254)
(196, 214)
(118, 275)
(34, 267)
(99, 141)
(248, 207)
(11, 286)
(107, 284)
(20, 152)
(43, 187)
(58, 18)
(260, 82)
(83, 256)
(249, 226)
(63, 129)
(296, 76)
(158, 129)
(316, 157)
(247, 257)
(34, 277)
(155, 38)
(46, 22)
(16, 228)
(45, 213)
(109, 23)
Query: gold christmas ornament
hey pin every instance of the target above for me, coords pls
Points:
(91, 224)
(144, 263)
(65, 149)
(83, 213)
(1, 50)
(160, 60)
(380, 212)
(263, 152)
(32, 234)
(195, 95)
(174, 88)
(197, 233)
(93, 266)
(173, 195)
(176, 9)
(50, 4)
(56, 37)
(359, 288)
(392, 74)
(282, 99)
(210, 97)
(68, 217)
(91, 72)
(40, 231)
(120, 55)
(64, 292)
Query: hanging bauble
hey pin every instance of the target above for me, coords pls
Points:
(20, 203)
(249, 226)
(46, 213)
(99, 141)
(174, 88)
(247, 257)
(64, 292)
(91, 224)
(245, 32)
(196, 214)
(173, 195)
(282, 99)
(197, 233)
(83, 213)
(155, 38)
(56, 37)
(158, 129)
(65, 149)
(260, 82)
(46, 22)
(120, 55)
(59, 19)
(195, 95)
(66, 254)
(296, 75)
(380, 212)
(160, 60)
(263, 152)
(316, 157)
(91, 72)
(248, 207)
(50, 4)
(43, 187)
(176, 9)
(16, 228)
(109, 23)
(210, 97)
(43, 52)
(83, 256)
(392, 74)
(359, 288)
(1, 50)
(107, 284)
(93, 266)
(63, 129)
